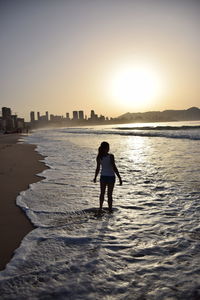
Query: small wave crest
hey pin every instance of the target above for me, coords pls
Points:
(183, 132)
(160, 128)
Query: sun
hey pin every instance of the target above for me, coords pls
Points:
(135, 86)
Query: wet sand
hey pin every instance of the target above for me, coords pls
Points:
(19, 164)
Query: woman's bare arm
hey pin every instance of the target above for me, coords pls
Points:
(97, 170)
(115, 168)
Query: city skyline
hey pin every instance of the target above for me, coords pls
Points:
(11, 123)
(75, 115)
(115, 56)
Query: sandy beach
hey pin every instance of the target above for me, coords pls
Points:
(19, 164)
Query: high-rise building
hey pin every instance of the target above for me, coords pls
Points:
(32, 116)
(6, 112)
(8, 120)
(47, 116)
(75, 115)
(92, 114)
(67, 116)
(38, 115)
(14, 121)
(81, 114)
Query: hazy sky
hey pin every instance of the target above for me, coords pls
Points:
(62, 55)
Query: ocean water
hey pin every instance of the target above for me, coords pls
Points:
(148, 248)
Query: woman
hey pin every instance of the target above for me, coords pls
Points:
(108, 171)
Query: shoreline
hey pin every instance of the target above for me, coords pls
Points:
(19, 164)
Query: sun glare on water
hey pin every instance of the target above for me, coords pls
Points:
(135, 86)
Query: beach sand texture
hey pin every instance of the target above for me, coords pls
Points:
(19, 164)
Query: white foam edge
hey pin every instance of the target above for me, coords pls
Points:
(27, 210)
(19, 255)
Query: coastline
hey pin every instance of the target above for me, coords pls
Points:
(19, 164)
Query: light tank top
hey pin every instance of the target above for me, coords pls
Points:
(106, 166)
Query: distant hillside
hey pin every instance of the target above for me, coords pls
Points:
(190, 114)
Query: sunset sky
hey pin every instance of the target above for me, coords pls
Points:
(113, 56)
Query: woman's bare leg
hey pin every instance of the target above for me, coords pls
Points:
(102, 194)
(110, 192)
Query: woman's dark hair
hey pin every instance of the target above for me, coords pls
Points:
(103, 149)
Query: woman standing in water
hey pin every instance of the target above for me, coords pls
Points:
(108, 171)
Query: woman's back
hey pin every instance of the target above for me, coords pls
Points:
(106, 166)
